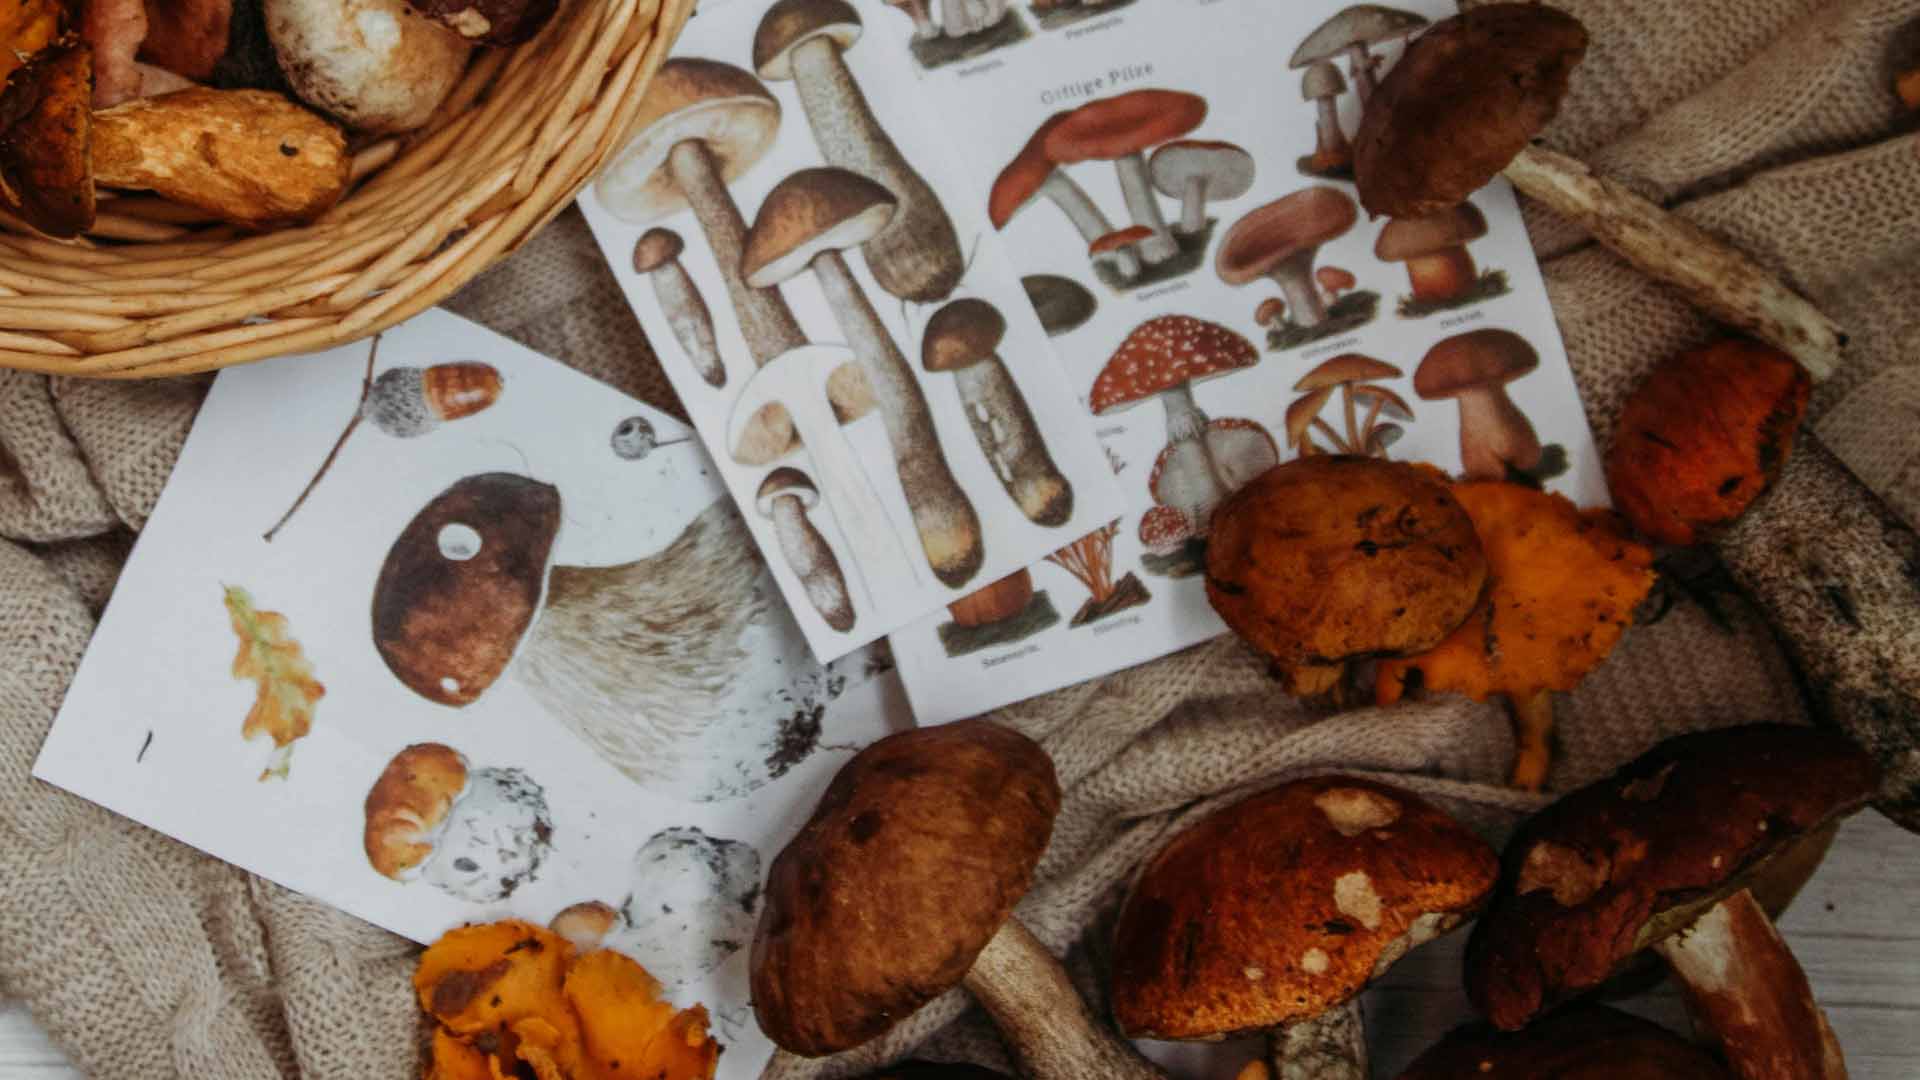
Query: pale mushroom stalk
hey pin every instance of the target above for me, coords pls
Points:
(1294, 275)
(1144, 205)
(963, 338)
(1331, 1046)
(1186, 423)
(765, 320)
(1050, 1030)
(1497, 433)
(1333, 141)
(1360, 62)
(784, 498)
(657, 255)
(1073, 201)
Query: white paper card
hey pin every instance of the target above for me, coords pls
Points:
(931, 484)
(583, 769)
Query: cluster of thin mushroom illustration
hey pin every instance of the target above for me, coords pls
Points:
(1374, 413)
(1351, 35)
(1090, 561)
(1143, 133)
(1278, 243)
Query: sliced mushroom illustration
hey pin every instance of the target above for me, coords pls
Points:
(1279, 241)
(784, 498)
(1474, 369)
(657, 255)
(1062, 304)
(1121, 129)
(1350, 33)
(474, 834)
(804, 224)
(1332, 154)
(1122, 248)
(1434, 247)
(916, 256)
(1198, 173)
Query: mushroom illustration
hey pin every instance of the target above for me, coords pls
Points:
(1660, 856)
(1090, 561)
(1350, 33)
(1279, 241)
(1465, 104)
(586, 924)
(1121, 129)
(474, 834)
(804, 223)
(1474, 369)
(1269, 313)
(924, 28)
(634, 439)
(1274, 913)
(1434, 247)
(963, 338)
(1032, 172)
(1198, 173)
(1165, 532)
(1122, 248)
(1332, 155)
(916, 254)
(645, 661)
(1062, 304)
(1347, 373)
(657, 255)
(999, 613)
(692, 904)
(1163, 358)
(1586, 1042)
(902, 886)
(1240, 449)
(1333, 281)
(784, 498)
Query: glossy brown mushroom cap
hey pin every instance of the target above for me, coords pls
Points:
(789, 24)
(812, 211)
(656, 248)
(1586, 1043)
(1616, 866)
(914, 858)
(962, 334)
(1472, 361)
(1410, 238)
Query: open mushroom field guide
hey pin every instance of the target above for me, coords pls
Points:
(513, 650)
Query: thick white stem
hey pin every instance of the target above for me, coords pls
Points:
(1009, 436)
(813, 562)
(1295, 278)
(1193, 206)
(1144, 204)
(1051, 1032)
(1073, 201)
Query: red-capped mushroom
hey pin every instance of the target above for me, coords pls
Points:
(1164, 530)
(1032, 172)
(1121, 129)
(1121, 247)
(1280, 240)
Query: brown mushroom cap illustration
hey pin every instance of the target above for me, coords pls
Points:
(1119, 240)
(1588, 1042)
(1427, 234)
(408, 803)
(962, 334)
(1346, 369)
(718, 105)
(1279, 241)
(786, 481)
(1474, 369)
(656, 248)
(791, 23)
(812, 211)
(1198, 172)
(1062, 304)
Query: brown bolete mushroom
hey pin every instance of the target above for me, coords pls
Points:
(784, 498)
(1332, 154)
(1062, 304)
(1658, 856)
(1586, 1042)
(1473, 369)
(1032, 172)
(1349, 33)
(1349, 373)
(657, 255)
(1197, 173)
(1434, 247)
(916, 256)
(1279, 241)
(1465, 104)
(902, 886)
(1273, 914)
(1121, 129)
(377, 66)
(804, 224)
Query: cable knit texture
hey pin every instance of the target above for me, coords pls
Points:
(1771, 122)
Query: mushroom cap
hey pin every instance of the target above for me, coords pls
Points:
(1240, 448)
(407, 805)
(1118, 239)
(1322, 80)
(1412, 237)
(1473, 360)
(812, 211)
(1286, 904)
(1302, 412)
(962, 334)
(914, 858)
(1334, 279)
(586, 924)
(1227, 169)
(1391, 404)
(1021, 179)
(1270, 309)
(1163, 353)
(716, 104)
(656, 248)
(1620, 864)
(1347, 368)
(1123, 124)
(786, 480)
(1467, 97)
(1588, 1042)
(1361, 24)
(790, 23)
(463, 583)
(1163, 529)
(1063, 304)
(1281, 229)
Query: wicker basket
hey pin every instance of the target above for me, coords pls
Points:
(156, 289)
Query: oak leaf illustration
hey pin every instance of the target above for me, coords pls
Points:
(279, 666)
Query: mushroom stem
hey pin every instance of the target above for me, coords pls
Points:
(766, 322)
(1332, 150)
(1708, 272)
(1372, 420)
(1442, 275)
(813, 562)
(1193, 206)
(1294, 275)
(1532, 730)
(1495, 435)
(1332, 1046)
(923, 24)
(948, 525)
(1334, 442)
(1144, 205)
(1051, 1031)
(690, 319)
(1360, 61)
(1004, 427)
(1355, 441)
(1073, 201)
(1743, 983)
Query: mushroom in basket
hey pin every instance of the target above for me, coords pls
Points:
(1586, 1042)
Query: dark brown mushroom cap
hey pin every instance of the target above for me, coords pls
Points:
(1286, 904)
(962, 334)
(1586, 1043)
(490, 22)
(1468, 96)
(1360, 24)
(46, 158)
(936, 1070)
(463, 584)
(1615, 867)
(718, 105)
(1410, 238)
(812, 211)
(1281, 229)
(1123, 124)
(656, 248)
(1063, 304)
(790, 23)
(788, 481)
(1473, 360)
(914, 858)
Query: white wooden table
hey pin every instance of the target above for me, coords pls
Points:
(1854, 929)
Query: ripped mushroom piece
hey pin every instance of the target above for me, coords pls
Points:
(1585, 1042)
(1279, 241)
(1031, 173)
(784, 498)
(1273, 914)
(1660, 856)
(1332, 155)
(1350, 33)
(657, 255)
(1121, 129)
(916, 254)
(46, 119)
(1473, 369)
(1197, 173)
(902, 885)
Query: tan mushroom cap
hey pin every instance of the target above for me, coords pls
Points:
(1410, 238)
(914, 858)
(790, 23)
(1163, 353)
(1361, 24)
(812, 211)
(656, 248)
(1467, 97)
(1302, 412)
(788, 481)
(1322, 80)
(1282, 229)
(962, 334)
(407, 805)
(1473, 360)
(1589, 1042)
(1124, 124)
(1284, 905)
(719, 105)
(1347, 368)
(1227, 169)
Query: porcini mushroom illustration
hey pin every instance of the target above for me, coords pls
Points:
(1000, 613)
(784, 498)
(963, 338)
(1162, 358)
(657, 255)
(1062, 304)
(1350, 33)
(1585, 1042)
(1332, 155)
(1660, 856)
(902, 885)
(1198, 173)
(1465, 104)
(804, 223)
(474, 834)
(1121, 129)
(1032, 172)
(916, 255)
(1273, 914)
(1473, 369)
(1278, 241)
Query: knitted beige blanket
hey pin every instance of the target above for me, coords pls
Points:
(1772, 122)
